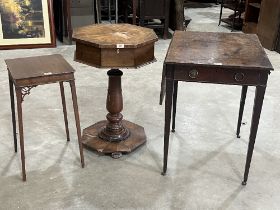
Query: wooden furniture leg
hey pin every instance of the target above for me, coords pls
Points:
(235, 12)
(70, 29)
(98, 11)
(65, 5)
(21, 137)
(77, 119)
(221, 12)
(64, 109)
(13, 112)
(259, 96)
(166, 21)
(109, 11)
(68, 20)
(174, 106)
(241, 109)
(117, 12)
(134, 8)
(162, 86)
(168, 106)
(125, 6)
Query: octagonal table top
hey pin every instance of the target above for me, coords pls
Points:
(115, 35)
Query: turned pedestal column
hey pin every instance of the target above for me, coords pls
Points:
(114, 131)
(114, 136)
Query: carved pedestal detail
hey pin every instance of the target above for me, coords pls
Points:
(114, 136)
(91, 139)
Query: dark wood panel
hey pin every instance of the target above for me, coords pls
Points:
(153, 8)
(88, 54)
(156, 9)
(148, 51)
(269, 22)
(251, 16)
(117, 57)
(278, 42)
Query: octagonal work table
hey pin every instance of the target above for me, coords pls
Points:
(114, 46)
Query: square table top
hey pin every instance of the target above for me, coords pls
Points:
(210, 49)
(38, 66)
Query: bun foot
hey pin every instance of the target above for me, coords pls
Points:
(116, 155)
(244, 183)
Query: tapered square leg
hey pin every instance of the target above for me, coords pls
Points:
(166, 20)
(241, 109)
(21, 137)
(162, 86)
(168, 106)
(64, 109)
(174, 106)
(221, 12)
(77, 119)
(12, 97)
(259, 96)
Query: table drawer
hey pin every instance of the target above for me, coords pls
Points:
(221, 76)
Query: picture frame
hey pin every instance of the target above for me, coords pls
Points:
(26, 24)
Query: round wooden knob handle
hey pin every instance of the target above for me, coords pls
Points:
(239, 77)
(193, 74)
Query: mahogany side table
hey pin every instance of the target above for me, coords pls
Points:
(27, 73)
(114, 46)
(219, 58)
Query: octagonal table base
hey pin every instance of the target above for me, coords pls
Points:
(91, 139)
(114, 136)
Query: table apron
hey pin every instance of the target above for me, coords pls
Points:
(44, 80)
(221, 76)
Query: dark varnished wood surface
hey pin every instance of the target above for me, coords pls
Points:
(91, 140)
(110, 35)
(268, 26)
(223, 50)
(40, 66)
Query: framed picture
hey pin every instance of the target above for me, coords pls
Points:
(26, 24)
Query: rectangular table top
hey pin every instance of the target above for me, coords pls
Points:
(226, 50)
(38, 66)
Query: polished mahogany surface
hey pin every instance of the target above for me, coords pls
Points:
(39, 66)
(112, 35)
(229, 50)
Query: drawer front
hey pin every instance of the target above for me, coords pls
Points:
(81, 3)
(220, 76)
